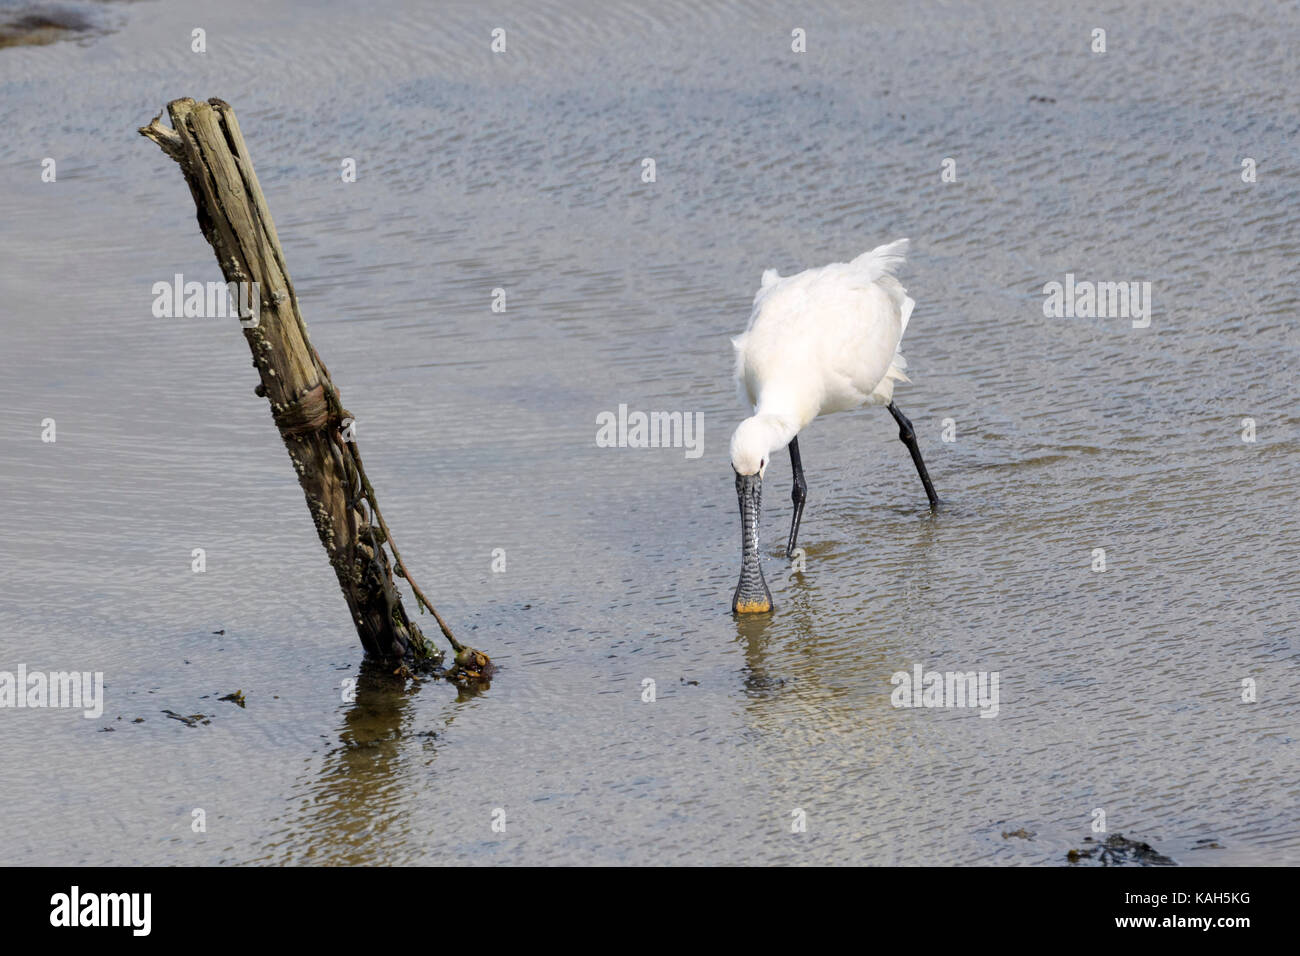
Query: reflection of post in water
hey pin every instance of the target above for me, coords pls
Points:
(355, 795)
(355, 814)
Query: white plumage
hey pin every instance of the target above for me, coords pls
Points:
(825, 340)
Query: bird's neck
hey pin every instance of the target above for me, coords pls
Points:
(780, 427)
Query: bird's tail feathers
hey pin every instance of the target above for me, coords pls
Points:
(882, 260)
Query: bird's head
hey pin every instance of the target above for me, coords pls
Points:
(751, 446)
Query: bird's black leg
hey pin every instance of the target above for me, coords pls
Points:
(908, 437)
(799, 495)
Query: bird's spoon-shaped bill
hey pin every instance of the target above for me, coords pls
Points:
(752, 595)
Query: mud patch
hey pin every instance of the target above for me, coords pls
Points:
(40, 26)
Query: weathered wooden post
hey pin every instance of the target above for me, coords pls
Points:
(205, 140)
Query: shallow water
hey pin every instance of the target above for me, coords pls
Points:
(1120, 690)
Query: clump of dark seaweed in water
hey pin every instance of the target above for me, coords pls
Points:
(1117, 850)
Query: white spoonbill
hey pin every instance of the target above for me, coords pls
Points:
(825, 340)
